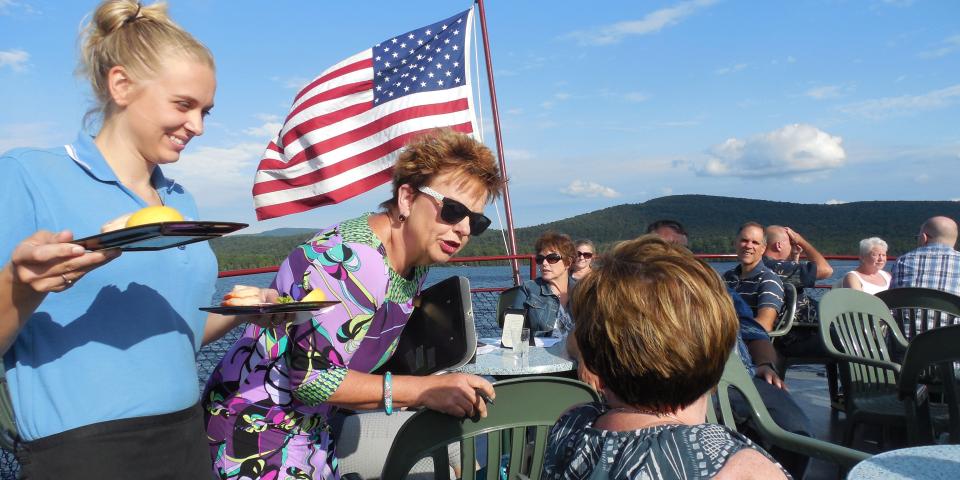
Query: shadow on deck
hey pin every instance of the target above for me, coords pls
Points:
(808, 384)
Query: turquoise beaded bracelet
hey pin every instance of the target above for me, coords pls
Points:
(388, 393)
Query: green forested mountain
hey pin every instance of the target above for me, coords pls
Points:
(711, 221)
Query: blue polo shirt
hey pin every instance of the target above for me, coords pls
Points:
(759, 287)
(122, 341)
(750, 330)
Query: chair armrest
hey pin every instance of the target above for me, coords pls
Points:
(846, 457)
(782, 329)
(895, 367)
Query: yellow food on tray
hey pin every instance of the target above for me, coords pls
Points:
(314, 296)
(154, 214)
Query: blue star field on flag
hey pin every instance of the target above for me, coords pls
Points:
(421, 60)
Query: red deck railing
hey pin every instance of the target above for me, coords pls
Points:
(533, 267)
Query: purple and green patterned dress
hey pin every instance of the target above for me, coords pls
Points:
(265, 403)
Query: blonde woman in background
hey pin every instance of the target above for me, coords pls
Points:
(584, 259)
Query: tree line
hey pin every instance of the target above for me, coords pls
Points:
(711, 221)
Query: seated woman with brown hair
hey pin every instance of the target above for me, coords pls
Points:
(655, 325)
(546, 299)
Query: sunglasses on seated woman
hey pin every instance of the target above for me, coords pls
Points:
(550, 258)
(452, 212)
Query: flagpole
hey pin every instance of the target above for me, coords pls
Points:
(512, 244)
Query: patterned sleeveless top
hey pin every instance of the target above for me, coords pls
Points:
(577, 451)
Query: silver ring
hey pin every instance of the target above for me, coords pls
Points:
(66, 280)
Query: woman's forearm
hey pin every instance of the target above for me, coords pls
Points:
(217, 326)
(364, 391)
(17, 303)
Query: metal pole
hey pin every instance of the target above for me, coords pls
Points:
(512, 244)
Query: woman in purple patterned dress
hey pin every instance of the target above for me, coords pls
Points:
(268, 401)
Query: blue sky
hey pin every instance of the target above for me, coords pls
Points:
(812, 101)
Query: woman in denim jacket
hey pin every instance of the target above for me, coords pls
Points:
(546, 299)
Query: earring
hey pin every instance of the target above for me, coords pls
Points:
(402, 218)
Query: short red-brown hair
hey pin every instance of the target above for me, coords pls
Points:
(560, 242)
(443, 151)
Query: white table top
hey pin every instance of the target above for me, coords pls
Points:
(927, 462)
(539, 360)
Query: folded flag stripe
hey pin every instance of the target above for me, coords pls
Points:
(347, 127)
(331, 144)
(347, 157)
(310, 185)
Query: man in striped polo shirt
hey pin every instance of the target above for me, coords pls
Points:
(759, 286)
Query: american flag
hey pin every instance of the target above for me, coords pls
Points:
(347, 127)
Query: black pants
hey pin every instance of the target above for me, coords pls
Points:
(169, 446)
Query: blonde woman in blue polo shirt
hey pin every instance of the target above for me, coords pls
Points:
(100, 349)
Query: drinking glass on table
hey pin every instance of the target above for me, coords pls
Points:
(521, 342)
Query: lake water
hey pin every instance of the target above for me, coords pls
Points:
(487, 277)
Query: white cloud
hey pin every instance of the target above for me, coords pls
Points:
(824, 92)
(518, 154)
(295, 83)
(219, 176)
(15, 59)
(651, 23)
(636, 97)
(585, 189)
(730, 69)
(266, 131)
(899, 3)
(40, 134)
(680, 123)
(905, 104)
(946, 47)
(555, 99)
(834, 201)
(791, 150)
(922, 178)
(7, 7)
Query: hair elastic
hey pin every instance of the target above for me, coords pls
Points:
(135, 15)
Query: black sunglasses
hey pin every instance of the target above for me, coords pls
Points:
(452, 212)
(550, 258)
(587, 255)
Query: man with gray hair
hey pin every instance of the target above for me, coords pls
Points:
(934, 263)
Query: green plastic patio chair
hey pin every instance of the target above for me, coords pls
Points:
(526, 408)
(920, 309)
(735, 376)
(854, 327)
(785, 319)
(935, 347)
